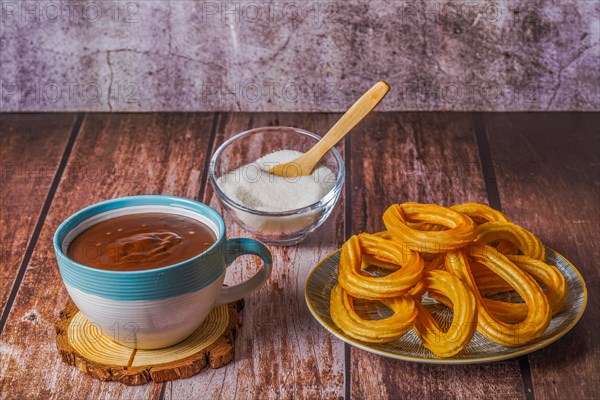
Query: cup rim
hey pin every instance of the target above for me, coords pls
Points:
(176, 202)
(331, 195)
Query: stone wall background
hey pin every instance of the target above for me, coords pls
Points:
(298, 55)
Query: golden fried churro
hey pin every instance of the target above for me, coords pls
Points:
(464, 322)
(550, 276)
(480, 213)
(371, 330)
(449, 254)
(538, 310)
(460, 228)
(359, 284)
(523, 240)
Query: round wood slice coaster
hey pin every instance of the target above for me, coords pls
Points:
(82, 344)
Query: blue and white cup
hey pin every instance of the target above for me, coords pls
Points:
(159, 307)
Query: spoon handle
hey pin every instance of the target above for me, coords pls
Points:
(349, 120)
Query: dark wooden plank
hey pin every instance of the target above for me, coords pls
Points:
(31, 147)
(548, 173)
(115, 155)
(429, 158)
(281, 351)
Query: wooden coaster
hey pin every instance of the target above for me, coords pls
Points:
(83, 345)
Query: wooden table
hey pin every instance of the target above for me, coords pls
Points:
(541, 169)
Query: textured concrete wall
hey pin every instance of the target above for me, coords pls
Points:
(298, 55)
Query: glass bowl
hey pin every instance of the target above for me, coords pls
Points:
(282, 228)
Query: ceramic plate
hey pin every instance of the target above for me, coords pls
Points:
(410, 348)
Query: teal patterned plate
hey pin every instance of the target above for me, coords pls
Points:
(409, 347)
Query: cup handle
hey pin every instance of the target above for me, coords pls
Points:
(235, 248)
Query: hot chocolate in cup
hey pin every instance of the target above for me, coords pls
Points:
(161, 306)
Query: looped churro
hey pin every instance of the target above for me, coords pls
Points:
(538, 310)
(460, 228)
(358, 284)
(480, 213)
(556, 290)
(464, 322)
(448, 253)
(373, 331)
(526, 242)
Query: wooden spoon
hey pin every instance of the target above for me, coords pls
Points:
(305, 164)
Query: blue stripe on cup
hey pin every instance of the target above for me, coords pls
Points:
(153, 284)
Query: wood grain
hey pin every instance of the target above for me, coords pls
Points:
(548, 174)
(96, 355)
(115, 155)
(429, 158)
(281, 351)
(29, 163)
